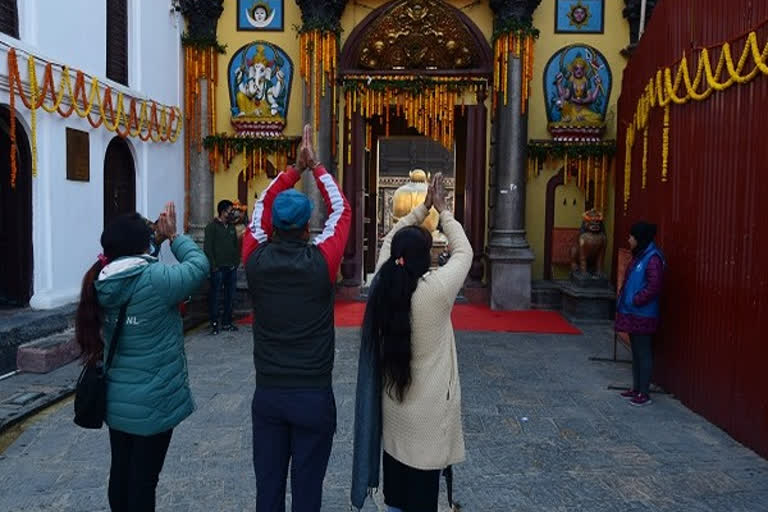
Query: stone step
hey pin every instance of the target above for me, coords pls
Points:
(22, 326)
(546, 298)
(47, 354)
(546, 295)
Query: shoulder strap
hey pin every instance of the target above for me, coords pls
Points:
(116, 335)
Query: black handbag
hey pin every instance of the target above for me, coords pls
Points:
(91, 390)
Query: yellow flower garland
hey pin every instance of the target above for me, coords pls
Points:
(430, 110)
(110, 119)
(318, 62)
(519, 46)
(33, 113)
(661, 91)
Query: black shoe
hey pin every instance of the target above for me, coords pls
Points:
(214, 329)
(230, 328)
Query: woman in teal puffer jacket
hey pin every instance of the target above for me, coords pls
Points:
(147, 384)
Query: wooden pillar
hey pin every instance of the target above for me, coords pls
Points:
(352, 267)
(475, 187)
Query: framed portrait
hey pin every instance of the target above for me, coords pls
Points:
(580, 16)
(267, 15)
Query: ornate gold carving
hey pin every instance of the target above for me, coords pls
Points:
(419, 34)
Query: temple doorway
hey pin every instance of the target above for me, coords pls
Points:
(391, 158)
(415, 77)
(15, 217)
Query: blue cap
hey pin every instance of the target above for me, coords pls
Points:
(291, 210)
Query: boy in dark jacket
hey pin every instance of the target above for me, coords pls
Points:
(221, 247)
(291, 281)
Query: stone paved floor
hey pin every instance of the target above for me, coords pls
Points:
(543, 434)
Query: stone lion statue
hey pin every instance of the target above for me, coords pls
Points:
(588, 256)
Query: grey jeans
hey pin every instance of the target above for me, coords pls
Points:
(642, 362)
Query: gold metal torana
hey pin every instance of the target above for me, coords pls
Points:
(411, 195)
(423, 34)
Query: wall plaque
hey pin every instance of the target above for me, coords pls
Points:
(78, 155)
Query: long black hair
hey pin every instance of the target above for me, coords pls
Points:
(127, 235)
(389, 306)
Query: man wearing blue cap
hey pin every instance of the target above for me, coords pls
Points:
(291, 281)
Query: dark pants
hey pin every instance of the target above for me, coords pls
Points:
(295, 425)
(136, 465)
(409, 489)
(225, 277)
(642, 362)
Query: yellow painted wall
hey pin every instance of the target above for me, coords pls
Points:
(566, 216)
(610, 43)
(225, 182)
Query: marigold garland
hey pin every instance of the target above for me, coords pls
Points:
(665, 146)
(645, 157)
(256, 151)
(580, 161)
(319, 51)
(662, 91)
(516, 43)
(427, 103)
(141, 126)
(201, 69)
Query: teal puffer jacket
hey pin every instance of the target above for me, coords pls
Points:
(147, 384)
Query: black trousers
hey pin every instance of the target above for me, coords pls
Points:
(410, 489)
(293, 426)
(226, 278)
(642, 362)
(136, 465)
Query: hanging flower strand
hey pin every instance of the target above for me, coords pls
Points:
(514, 40)
(663, 90)
(119, 122)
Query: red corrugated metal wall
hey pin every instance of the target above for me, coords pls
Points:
(712, 351)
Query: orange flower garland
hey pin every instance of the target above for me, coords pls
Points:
(588, 164)
(318, 66)
(256, 152)
(124, 124)
(520, 46)
(428, 104)
(200, 63)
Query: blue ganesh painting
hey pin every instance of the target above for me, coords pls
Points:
(260, 75)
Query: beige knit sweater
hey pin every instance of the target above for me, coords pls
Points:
(424, 431)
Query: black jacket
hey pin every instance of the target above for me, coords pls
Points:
(293, 328)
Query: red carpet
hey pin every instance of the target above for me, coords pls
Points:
(472, 317)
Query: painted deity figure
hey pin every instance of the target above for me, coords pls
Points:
(577, 92)
(260, 15)
(579, 15)
(261, 86)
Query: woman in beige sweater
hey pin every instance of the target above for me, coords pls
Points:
(421, 398)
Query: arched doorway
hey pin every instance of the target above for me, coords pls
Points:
(559, 240)
(421, 40)
(15, 217)
(119, 180)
